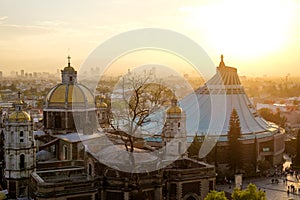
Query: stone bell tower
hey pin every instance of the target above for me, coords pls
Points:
(19, 151)
(174, 132)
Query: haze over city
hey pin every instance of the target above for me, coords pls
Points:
(258, 37)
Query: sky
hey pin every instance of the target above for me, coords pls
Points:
(258, 37)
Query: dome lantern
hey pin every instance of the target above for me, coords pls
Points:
(19, 115)
(69, 74)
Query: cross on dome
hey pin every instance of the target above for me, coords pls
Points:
(69, 61)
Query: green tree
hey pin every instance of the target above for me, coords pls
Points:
(214, 195)
(234, 144)
(250, 193)
(268, 115)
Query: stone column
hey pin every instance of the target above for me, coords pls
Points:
(158, 193)
(126, 195)
(179, 190)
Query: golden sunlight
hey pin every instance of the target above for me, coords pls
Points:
(245, 29)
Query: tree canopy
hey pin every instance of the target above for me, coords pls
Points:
(214, 195)
(250, 192)
(268, 115)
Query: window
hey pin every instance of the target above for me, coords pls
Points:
(90, 170)
(21, 136)
(22, 161)
(178, 124)
(71, 78)
(179, 148)
(65, 153)
(57, 122)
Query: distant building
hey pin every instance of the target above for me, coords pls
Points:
(22, 73)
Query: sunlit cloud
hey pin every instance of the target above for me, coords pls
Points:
(3, 18)
(51, 23)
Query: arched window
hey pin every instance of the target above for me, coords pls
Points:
(65, 153)
(21, 136)
(22, 161)
(178, 124)
(179, 147)
(90, 170)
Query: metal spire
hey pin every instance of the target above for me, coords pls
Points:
(222, 64)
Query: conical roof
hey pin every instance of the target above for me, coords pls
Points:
(216, 100)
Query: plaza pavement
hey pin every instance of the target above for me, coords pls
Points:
(274, 191)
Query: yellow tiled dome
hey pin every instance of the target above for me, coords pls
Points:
(101, 105)
(174, 110)
(70, 94)
(19, 116)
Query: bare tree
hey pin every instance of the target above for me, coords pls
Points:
(139, 110)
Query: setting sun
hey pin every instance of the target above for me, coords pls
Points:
(245, 29)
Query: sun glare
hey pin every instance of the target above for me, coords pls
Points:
(245, 29)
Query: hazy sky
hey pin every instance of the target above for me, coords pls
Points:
(257, 37)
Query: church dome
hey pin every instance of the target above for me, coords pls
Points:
(69, 93)
(69, 69)
(19, 116)
(76, 95)
(174, 110)
(101, 105)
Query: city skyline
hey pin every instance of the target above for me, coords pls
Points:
(256, 37)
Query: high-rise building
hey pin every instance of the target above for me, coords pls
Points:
(22, 73)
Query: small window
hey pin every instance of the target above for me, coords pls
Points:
(90, 170)
(65, 153)
(21, 140)
(178, 124)
(71, 78)
(22, 161)
(21, 134)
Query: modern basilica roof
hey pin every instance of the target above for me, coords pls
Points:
(223, 93)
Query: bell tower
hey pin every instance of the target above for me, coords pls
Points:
(20, 148)
(174, 131)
